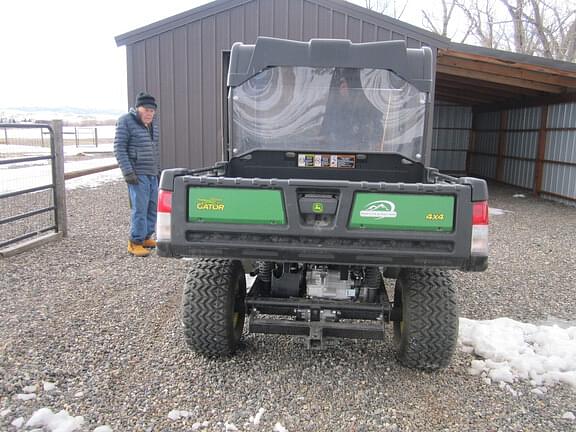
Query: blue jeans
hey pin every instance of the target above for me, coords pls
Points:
(143, 203)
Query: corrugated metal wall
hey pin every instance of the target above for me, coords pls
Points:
(451, 137)
(183, 67)
(485, 153)
(520, 147)
(515, 148)
(559, 166)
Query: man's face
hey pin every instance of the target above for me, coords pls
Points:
(146, 114)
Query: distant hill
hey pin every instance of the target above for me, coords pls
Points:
(71, 116)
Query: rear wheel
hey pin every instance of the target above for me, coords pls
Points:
(426, 335)
(213, 308)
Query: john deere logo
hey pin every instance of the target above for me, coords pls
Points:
(379, 210)
(214, 204)
(318, 207)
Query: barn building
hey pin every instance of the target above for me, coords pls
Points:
(506, 117)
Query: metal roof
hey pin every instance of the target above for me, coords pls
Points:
(218, 6)
(466, 75)
(491, 78)
(512, 57)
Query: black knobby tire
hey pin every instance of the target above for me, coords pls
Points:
(426, 336)
(213, 307)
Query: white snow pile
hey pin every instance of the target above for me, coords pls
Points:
(543, 355)
(59, 422)
(256, 419)
(48, 386)
(279, 428)
(492, 211)
(230, 427)
(25, 396)
(94, 180)
(49, 421)
(179, 414)
(518, 196)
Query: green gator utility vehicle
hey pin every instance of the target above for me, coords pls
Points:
(325, 192)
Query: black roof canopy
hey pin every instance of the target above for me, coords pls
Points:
(412, 64)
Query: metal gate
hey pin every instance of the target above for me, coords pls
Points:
(32, 193)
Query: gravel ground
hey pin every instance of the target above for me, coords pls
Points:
(104, 327)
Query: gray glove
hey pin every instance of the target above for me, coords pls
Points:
(131, 178)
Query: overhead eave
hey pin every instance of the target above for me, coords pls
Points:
(470, 76)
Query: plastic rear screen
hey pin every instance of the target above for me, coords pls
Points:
(319, 109)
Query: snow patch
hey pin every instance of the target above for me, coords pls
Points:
(568, 416)
(518, 196)
(256, 419)
(230, 427)
(497, 212)
(25, 396)
(511, 351)
(178, 414)
(48, 386)
(196, 426)
(103, 429)
(17, 423)
(279, 428)
(59, 422)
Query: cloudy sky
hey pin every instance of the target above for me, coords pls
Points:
(63, 53)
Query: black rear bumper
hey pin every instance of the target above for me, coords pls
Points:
(335, 244)
(321, 255)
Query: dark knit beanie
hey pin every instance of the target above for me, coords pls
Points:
(146, 100)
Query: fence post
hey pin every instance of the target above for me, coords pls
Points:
(58, 173)
(6, 135)
(96, 136)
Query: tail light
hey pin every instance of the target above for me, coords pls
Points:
(164, 219)
(479, 244)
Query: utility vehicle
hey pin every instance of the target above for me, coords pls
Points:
(325, 193)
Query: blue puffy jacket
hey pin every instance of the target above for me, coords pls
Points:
(136, 147)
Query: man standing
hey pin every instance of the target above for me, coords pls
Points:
(136, 147)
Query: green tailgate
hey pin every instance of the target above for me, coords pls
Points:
(402, 212)
(235, 206)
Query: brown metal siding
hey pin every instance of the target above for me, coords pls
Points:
(281, 18)
(209, 95)
(195, 99)
(181, 92)
(295, 19)
(167, 81)
(182, 67)
(152, 82)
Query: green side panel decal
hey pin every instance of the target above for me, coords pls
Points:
(236, 205)
(402, 212)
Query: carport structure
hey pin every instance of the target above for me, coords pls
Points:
(502, 116)
(518, 113)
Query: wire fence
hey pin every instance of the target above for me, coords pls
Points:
(90, 136)
(32, 197)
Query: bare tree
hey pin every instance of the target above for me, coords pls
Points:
(440, 25)
(545, 28)
(393, 8)
(553, 25)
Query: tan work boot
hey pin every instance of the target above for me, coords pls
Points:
(149, 243)
(137, 249)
